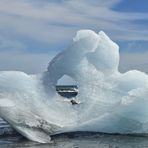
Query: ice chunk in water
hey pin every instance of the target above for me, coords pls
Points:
(111, 101)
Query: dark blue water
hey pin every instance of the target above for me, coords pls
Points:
(11, 139)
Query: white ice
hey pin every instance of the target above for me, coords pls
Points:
(111, 102)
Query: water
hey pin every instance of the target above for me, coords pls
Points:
(11, 139)
(78, 140)
(67, 91)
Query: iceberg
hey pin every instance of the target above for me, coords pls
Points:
(110, 101)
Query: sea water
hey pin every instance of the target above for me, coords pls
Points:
(78, 140)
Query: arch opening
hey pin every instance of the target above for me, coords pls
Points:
(67, 87)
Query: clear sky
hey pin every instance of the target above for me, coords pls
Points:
(33, 31)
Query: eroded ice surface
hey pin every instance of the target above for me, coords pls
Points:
(111, 102)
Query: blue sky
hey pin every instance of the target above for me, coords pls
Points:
(33, 31)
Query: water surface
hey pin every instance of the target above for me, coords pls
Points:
(78, 140)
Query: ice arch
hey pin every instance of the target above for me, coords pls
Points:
(111, 102)
(87, 53)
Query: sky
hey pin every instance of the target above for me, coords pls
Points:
(32, 32)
